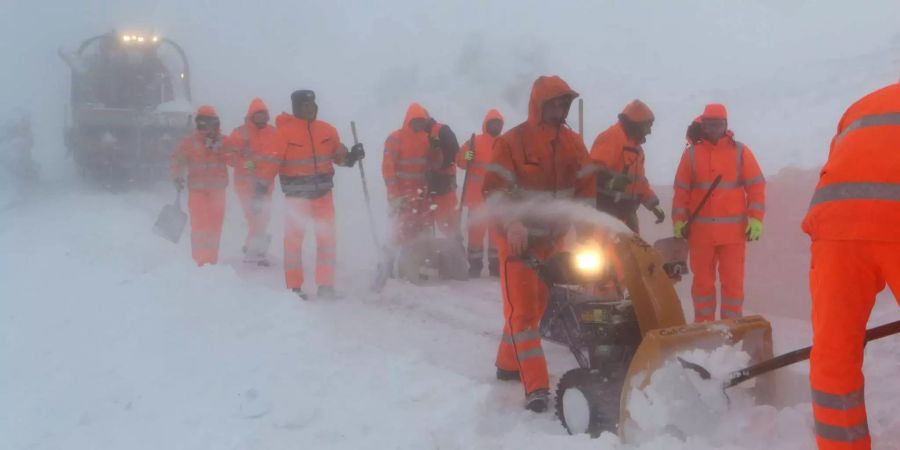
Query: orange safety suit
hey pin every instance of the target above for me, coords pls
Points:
(854, 224)
(205, 160)
(615, 153)
(717, 238)
(306, 171)
(255, 147)
(473, 195)
(442, 179)
(408, 155)
(534, 161)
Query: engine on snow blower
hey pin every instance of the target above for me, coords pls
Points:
(600, 328)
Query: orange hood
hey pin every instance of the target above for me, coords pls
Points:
(546, 88)
(491, 115)
(256, 105)
(415, 111)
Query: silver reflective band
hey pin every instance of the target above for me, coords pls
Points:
(728, 219)
(722, 185)
(711, 311)
(704, 298)
(527, 335)
(679, 185)
(757, 207)
(732, 301)
(856, 191)
(531, 353)
(728, 314)
(842, 434)
(502, 171)
(875, 120)
(411, 161)
(411, 175)
(755, 180)
(839, 402)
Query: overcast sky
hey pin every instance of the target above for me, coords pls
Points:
(368, 59)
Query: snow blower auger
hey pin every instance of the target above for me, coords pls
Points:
(621, 333)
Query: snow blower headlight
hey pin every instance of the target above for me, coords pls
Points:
(588, 261)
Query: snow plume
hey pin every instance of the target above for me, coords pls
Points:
(547, 210)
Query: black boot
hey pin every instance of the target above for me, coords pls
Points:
(494, 267)
(475, 266)
(537, 400)
(508, 375)
(300, 293)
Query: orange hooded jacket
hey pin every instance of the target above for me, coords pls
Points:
(205, 161)
(614, 152)
(858, 195)
(258, 150)
(536, 160)
(408, 157)
(740, 194)
(475, 169)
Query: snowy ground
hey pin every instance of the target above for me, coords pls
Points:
(111, 338)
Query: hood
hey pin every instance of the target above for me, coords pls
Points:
(546, 88)
(415, 111)
(206, 111)
(491, 115)
(256, 105)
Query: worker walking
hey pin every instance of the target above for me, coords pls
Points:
(854, 224)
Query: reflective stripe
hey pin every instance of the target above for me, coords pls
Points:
(266, 158)
(410, 175)
(704, 298)
(308, 161)
(730, 314)
(210, 184)
(518, 338)
(411, 161)
(727, 219)
(702, 312)
(757, 207)
(732, 301)
(206, 166)
(507, 174)
(587, 169)
(755, 180)
(843, 402)
(842, 434)
(679, 185)
(722, 185)
(537, 352)
(874, 120)
(856, 191)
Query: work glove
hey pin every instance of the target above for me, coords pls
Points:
(679, 229)
(754, 229)
(659, 213)
(517, 237)
(469, 155)
(357, 152)
(179, 183)
(249, 164)
(618, 182)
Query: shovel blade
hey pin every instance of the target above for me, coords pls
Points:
(170, 223)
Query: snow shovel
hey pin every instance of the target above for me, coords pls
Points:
(383, 269)
(739, 376)
(673, 250)
(171, 220)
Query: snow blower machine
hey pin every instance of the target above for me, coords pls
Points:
(130, 105)
(616, 309)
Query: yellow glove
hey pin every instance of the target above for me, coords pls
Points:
(679, 228)
(754, 229)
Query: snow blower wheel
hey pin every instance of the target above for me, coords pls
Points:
(587, 402)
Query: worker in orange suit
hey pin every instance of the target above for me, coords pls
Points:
(256, 143)
(539, 160)
(474, 158)
(619, 159)
(408, 158)
(441, 178)
(204, 159)
(733, 215)
(306, 172)
(854, 224)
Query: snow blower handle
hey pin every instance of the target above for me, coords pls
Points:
(687, 226)
(365, 186)
(742, 375)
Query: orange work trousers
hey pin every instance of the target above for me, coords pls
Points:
(524, 301)
(844, 278)
(705, 259)
(298, 212)
(478, 228)
(258, 219)
(207, 210)
(446, 217)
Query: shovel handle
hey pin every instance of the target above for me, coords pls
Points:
(802, 354)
